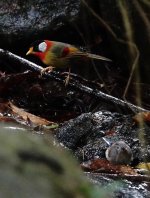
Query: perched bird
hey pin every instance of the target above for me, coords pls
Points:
(59, 55)
(119, 153)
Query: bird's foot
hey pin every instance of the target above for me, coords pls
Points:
(47, 69)
(66, 81)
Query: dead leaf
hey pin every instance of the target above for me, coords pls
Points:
(104, 166)
(4, 107)
(145, 166)
(28, 116)
(6, 119)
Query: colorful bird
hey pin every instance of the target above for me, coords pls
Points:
(59, 55)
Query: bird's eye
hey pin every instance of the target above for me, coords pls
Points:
(42, 47)
(118, 147)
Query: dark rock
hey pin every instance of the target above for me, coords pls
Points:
(124, 188)
(89, 135)
(71, 132)
(22, 21)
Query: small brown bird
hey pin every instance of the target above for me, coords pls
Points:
(59, 55)
(119, 153)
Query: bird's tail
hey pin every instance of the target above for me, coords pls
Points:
(89, 55)
(94, 56)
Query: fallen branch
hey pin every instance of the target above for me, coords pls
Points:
(6, 55)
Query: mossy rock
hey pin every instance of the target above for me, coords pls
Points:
(31, 166)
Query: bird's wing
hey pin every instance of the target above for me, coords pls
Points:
(63, 50)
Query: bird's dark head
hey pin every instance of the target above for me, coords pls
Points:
(37, 46)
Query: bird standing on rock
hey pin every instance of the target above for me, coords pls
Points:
(119, 153)
(59, 55)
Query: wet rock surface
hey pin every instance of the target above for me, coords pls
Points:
(24, 20)
(89, 133)
(73, 131)
(126, 188)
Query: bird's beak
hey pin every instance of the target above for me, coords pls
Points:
(30, 51)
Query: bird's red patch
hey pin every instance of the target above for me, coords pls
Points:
(49, 44)
(65, 51)
(41, 55)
